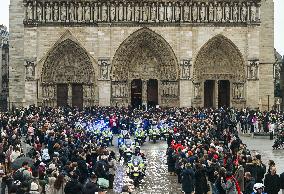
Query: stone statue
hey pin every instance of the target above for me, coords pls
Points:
(153, 12)
(169, 12)
(186, 12)
(196, 90)
(145, 12)
(244, 13)
(39, 12)
(120, 12)
(72, 12)
(211, 12)
(253, 71)
(30, 70)
(219, 13)
(112, 12)
(161, 12)
(137, 13)
(63, 12)
(202, 12)
(55, 12)
(235, 12)
(95, 11)
(80, 12)
(104, 12)
(48, 12)
(194, 13)
(253, 13)
(129, 12)
(104, 72)
(177, 12)
(227, 12)
(87, 12)
(29, 13)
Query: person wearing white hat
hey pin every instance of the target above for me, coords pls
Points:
(258, 188)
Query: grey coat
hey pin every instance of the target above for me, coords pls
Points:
(230, 187)
(239, 175)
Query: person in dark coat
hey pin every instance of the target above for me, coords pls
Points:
(249, 183)
(218, 184)
(251, 167)
(91, 186)
(201, 186)
(170, 161)
(272, 182)
(187, 179)
(73, 186)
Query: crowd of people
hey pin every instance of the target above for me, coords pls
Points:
(65, 158)
(207, 154)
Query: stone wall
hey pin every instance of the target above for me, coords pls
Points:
(32, 42)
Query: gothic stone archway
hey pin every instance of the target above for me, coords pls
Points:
(68, 73)
(219, 61)
(145, 55)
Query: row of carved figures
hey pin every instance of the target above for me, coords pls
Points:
(141, 12)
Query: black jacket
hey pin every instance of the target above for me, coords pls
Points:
(272, 183)
(90, 188)
(282, 180)
(73, 187)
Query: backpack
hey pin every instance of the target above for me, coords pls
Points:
(19, 175)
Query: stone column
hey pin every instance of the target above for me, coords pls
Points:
(216, 94)
(144, 92)
(69, 101)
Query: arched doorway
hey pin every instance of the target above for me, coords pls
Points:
(152, 92)
(147, 56)
(136, 93)
(67, 76)
(219, 68)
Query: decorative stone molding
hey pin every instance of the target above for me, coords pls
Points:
(170, 89)
(238, 90)
(104, 65)
(252, 69)
(185, 69)
(30, 69)
(42, 12)
(119, 89)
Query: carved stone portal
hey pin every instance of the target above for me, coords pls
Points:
(68, 63)
(219, 59)
(145, 55)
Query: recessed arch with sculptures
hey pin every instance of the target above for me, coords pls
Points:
(145, 55)
(67, 63)
(219, 59)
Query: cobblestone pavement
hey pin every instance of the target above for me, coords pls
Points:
(157, 179)
(264, 147)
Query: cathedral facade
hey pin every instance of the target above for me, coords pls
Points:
(200, 53)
